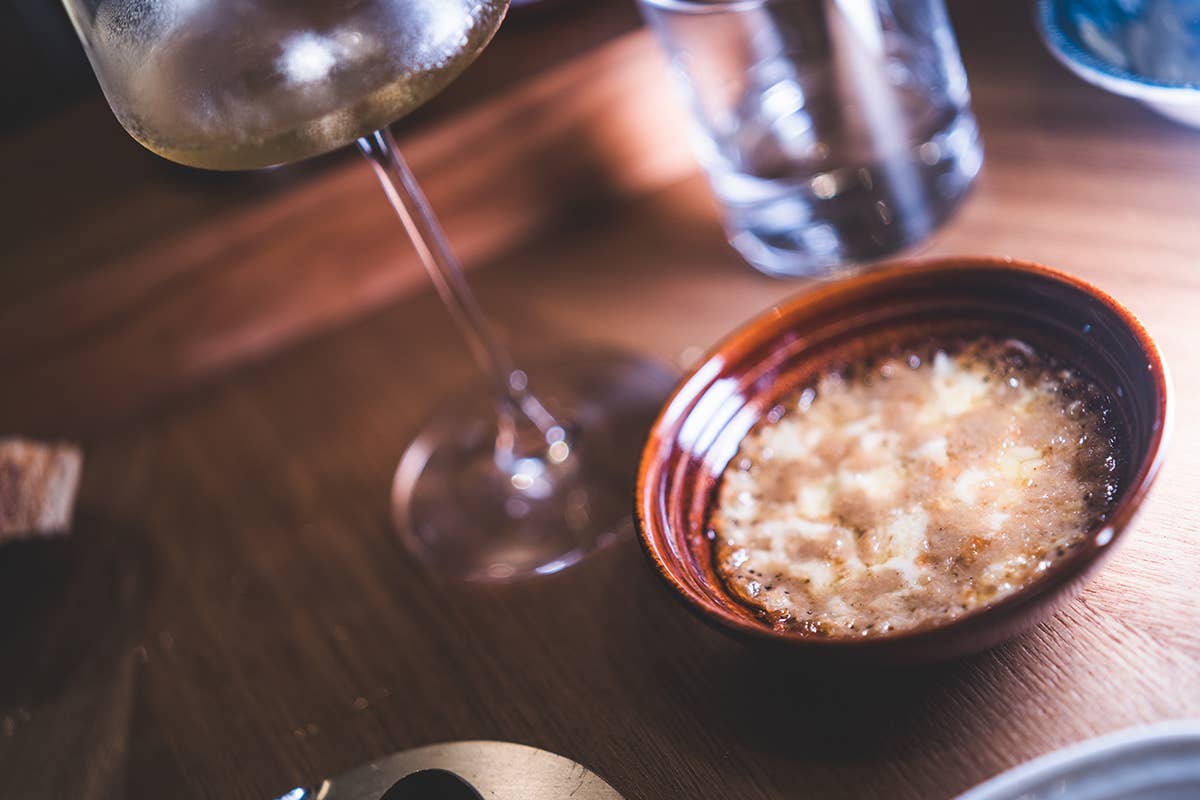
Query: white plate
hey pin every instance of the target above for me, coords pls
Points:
(1150, 762)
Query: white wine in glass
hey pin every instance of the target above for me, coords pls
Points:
(502, 483)
(238, 84)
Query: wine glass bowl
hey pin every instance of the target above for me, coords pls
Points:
(229, 84)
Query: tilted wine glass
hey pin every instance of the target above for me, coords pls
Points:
(501, 483)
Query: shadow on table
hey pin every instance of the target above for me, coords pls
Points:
(69, 607)
(825, 712)
(769, 703)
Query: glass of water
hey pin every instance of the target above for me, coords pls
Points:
(833, 131)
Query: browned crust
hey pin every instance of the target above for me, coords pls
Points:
(1005, 357)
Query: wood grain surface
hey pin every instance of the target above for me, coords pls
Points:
(233, 615)
(158, 276)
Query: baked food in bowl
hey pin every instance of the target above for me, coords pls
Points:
(926, 493)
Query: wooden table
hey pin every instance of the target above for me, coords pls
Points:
(246, 357)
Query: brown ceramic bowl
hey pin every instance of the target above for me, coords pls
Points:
(746, 374)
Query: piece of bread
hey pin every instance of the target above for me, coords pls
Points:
(37, 487)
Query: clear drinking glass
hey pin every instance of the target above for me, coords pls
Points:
(502, 482)
(832, 131)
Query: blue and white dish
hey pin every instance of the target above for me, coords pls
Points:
(1149, 762)
(1145, 49)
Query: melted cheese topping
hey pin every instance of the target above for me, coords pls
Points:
(915, 489)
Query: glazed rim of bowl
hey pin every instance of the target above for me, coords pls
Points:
(675, 539)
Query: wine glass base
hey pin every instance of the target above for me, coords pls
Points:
(467, 518)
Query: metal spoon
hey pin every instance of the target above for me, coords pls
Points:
(495, 770)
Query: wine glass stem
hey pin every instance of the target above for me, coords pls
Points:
(411, 205)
